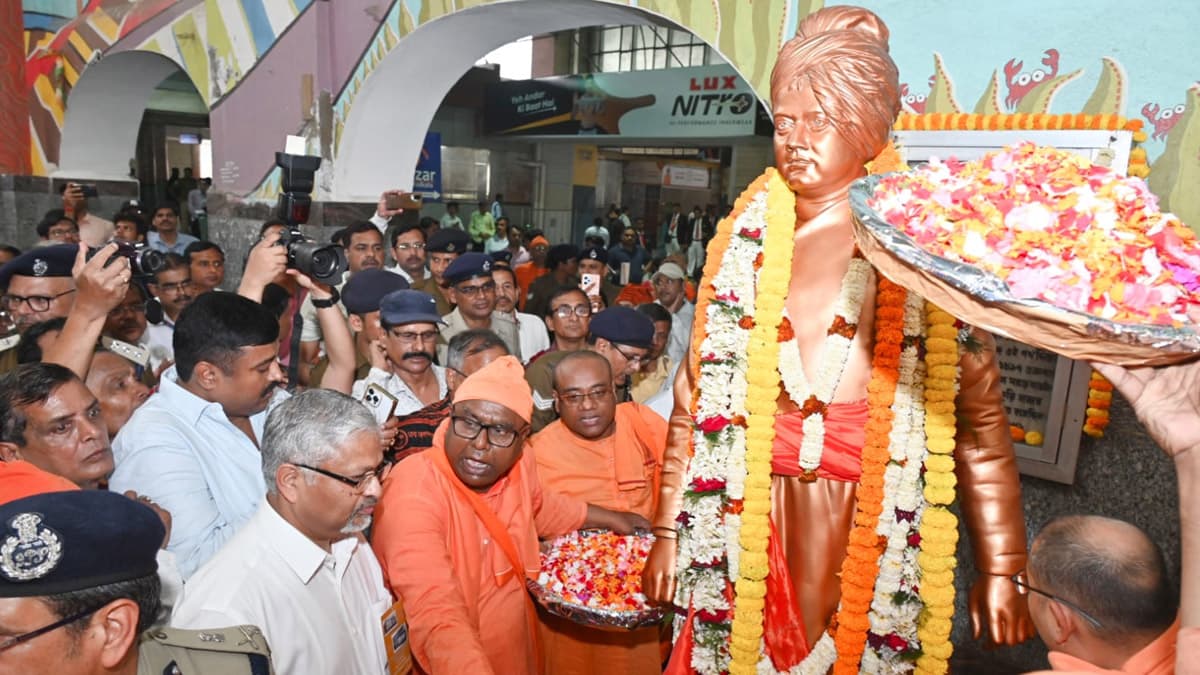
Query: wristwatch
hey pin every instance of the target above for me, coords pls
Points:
(327, 302)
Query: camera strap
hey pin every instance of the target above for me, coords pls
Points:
(293, 374)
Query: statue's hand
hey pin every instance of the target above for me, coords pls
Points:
(995, 604)
(658, 576)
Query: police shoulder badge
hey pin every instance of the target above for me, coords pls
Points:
(40, 267)
(33, 553)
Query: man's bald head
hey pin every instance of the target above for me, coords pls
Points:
(575, 360)
(1109, 568)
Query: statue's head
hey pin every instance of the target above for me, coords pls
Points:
(835, 95)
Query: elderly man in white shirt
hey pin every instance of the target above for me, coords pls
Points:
(531, 330)
(669, 291)
(301, 569)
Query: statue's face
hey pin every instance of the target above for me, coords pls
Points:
(812, 155)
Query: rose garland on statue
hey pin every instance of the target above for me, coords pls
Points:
(746, 349)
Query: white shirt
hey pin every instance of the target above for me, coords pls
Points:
(681, 332)
(310, 331)
(531, 331)
(160, 340)
(406, 401)
(184, 454)
(449, 221)
(396, 269)
(320, 612)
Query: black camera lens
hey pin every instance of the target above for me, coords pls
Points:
(321, 262)
(148, 261)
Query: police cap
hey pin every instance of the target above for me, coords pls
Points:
(624, 326)
(448, 240)
(43, 261)
(60, 542)
(468, 266)
(364, 291)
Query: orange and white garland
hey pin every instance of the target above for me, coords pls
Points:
(745, 349)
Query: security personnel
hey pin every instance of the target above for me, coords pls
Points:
(38, 286)
(85, 559)
(361, 297)
(442, 249)
(620, 334)
(594, 260)
(469, 280)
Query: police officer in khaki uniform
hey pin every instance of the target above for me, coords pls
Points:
(79, 594)
(620, 334)
(442, 249)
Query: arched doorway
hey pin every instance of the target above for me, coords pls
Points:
(105, 111)
(391, 113)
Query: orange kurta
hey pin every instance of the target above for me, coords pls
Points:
(1156, 658)
(620, 473)
(466, 607)
(526, 274)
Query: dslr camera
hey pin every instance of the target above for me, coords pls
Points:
(322, 262)
(144, 261)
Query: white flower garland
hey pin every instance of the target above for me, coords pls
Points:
(709, 535)
(834, 354)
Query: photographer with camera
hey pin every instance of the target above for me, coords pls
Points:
(270, 258)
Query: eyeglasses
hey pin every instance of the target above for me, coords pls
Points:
(472, 291)
(37, 303)
(14, 641)
(1021, 581)
(599, 395)
(565, 311)
(427, 336)
(635, 359)
(498, 435)
(361, 482)
(175, 288)
(416, 246)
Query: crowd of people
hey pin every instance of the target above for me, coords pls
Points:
(348, 478)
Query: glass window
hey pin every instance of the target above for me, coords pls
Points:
(466, 173)
(660, 59)
(626, 48)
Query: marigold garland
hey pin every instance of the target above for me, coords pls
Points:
(1099, 401)
(861, 566)
(763, 388)
(939, 527)
(1023, 121)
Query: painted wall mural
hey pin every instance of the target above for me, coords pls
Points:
(1021, 56)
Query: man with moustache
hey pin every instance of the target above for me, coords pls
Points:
(402, 361)
(193, 447)
(609, 455)
(166, 236)
(172, 285)
(301, 569)
(470, 286)
(408, 250)
(567, 318)
(127, 323)
(458, 526)
(531, 331)
(207, 261)
(467, 352)
(361, 298)
(562, 261)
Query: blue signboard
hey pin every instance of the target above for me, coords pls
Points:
(428, 177)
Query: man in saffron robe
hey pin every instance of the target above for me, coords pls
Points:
(610, 455)
(457, 531)
(834, 100)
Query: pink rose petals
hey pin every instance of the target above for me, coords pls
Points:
(597, 570)
(1054, 227)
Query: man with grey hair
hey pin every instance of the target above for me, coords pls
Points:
(300, 569)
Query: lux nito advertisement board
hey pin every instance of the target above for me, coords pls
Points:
(705, 102)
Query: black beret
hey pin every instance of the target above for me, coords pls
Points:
(448, 240)
(468, 266)
(624, 326)
(43, 261)
(364, 291)
(594, 253)
(60, 542)
(503, 256)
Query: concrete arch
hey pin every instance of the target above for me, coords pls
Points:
(390, 114)
(104, 113)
